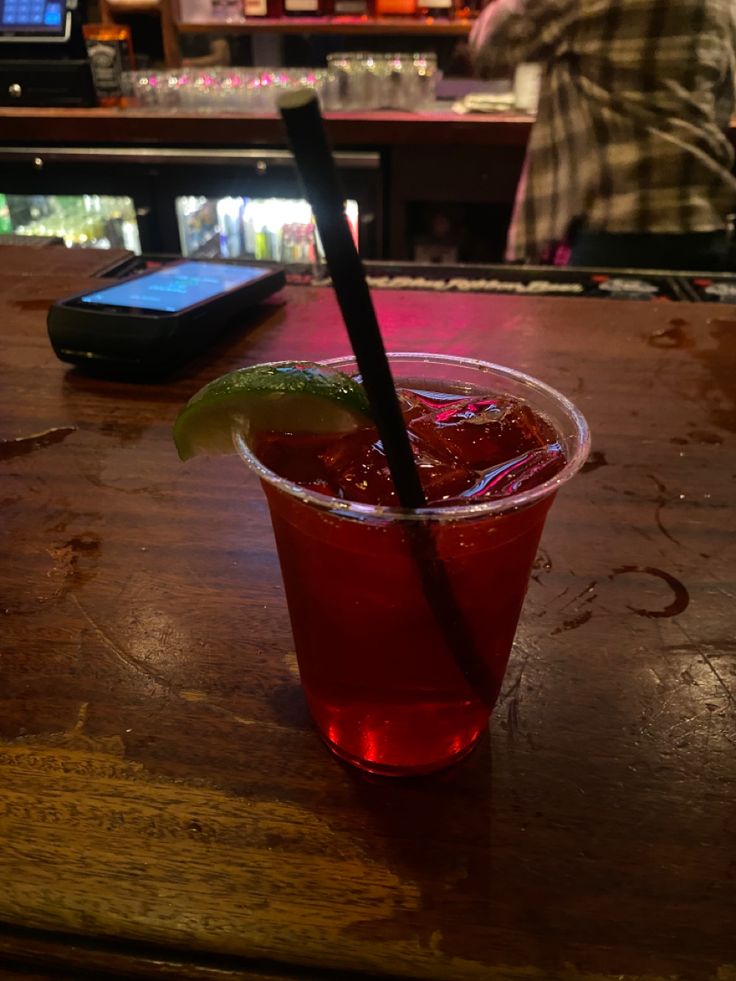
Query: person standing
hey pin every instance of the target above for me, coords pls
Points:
(628, 161)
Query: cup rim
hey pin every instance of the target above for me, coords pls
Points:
(451, 512)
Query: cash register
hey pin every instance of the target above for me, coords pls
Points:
(43, 61)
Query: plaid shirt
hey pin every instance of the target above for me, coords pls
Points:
(635, 101)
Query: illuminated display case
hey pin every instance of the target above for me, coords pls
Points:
(204, 203)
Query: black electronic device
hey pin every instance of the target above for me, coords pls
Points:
(43, 58)
(35, 20)
(62, 83)
(153, 322)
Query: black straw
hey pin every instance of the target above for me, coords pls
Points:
(316, 166)
(300, 112)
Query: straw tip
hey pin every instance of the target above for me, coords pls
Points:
(296, 98)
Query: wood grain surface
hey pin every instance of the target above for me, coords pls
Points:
(116, 127)
(93, 127)
(15, 260)
(366, 26)
(165, 806)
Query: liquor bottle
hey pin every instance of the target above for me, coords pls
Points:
(468, 9)
(351, 8)
(110, 53)
(435, 8)
(262, 8)
(303, 8)
(6, 225)
(390, 8)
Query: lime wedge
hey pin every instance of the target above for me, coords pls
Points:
(285, 396)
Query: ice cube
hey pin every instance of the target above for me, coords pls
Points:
(357, 465)
(412, 406)
(523, 472)
(416, 402)
(481, 432)
(294, 456)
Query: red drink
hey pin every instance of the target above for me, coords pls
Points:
(385, 687)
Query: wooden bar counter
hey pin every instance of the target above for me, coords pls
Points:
(111, 151)
(166, 809)
(116, 127)
(423, 159)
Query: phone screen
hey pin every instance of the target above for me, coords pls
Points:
(175, 287)
(32, 17)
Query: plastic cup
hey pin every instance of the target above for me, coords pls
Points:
(384, 688)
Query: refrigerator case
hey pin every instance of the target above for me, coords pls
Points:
(271, 229)
(249, 204)
(88, 196)
(84, 220)
(210, 203)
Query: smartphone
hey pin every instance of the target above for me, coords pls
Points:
(158, 319)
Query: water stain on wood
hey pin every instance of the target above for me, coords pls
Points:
(594, 461)
(681, 598)
(662, 500)
(74, 561)
(721, 385)
(126, 432)
(542, 564)
(705, 437)
(673, 336)
(37, 303)
(573, 623)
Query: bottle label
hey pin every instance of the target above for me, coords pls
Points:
(436, 4)
(351, 7)
(106, 62)
(301, 6)
(255, 8)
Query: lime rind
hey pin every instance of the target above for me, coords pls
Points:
(285, 396)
